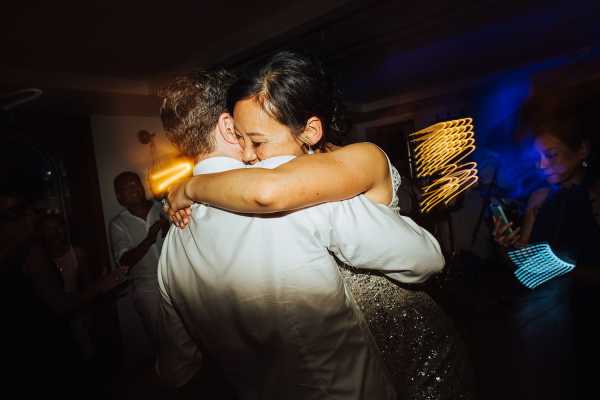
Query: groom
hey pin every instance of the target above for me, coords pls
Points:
(262, 295)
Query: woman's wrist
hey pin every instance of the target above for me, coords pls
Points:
(188, 189)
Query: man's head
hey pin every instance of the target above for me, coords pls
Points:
(194, 114)
(129, 189)
(52, 229)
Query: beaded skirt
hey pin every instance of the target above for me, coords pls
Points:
(422, 350)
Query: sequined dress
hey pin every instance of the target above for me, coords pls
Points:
(423, 352)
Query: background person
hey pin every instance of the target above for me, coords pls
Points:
(565, 214)
(136, 236)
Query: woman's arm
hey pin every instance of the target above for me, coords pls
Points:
(535, 202)
(302, 182)
(47, 285)
(520, 236)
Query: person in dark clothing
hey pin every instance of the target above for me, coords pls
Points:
(553, 321)
(41, 353)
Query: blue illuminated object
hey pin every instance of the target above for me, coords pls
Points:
(538, 264)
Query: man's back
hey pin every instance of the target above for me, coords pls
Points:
(265, 299)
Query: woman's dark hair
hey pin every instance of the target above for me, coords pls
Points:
(550, 114)
(293, 87)
(563, 114)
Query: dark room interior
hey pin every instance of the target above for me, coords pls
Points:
(81, 94)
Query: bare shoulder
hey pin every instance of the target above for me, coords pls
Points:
(369, 160)
(362, 151)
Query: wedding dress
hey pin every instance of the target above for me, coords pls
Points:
(422, 350)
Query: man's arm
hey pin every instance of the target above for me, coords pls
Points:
(123, 253)
(371, 236)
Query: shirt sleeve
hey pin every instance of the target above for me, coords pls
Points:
(119, 241)
(371, 236)
(179, 358)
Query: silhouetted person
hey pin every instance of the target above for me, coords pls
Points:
(136, 238)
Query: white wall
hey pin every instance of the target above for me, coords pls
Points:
(117, 149)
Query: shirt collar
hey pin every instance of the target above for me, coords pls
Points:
(217, 164)
(273, 162)
(154, 209)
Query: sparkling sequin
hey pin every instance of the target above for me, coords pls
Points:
(423, 353)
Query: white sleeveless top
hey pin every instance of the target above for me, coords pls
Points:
(396, 181)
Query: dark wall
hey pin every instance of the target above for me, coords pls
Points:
(35, 143)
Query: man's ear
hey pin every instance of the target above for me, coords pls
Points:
(226, 128)
(313, 131)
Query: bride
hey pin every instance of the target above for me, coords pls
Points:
(289, 107)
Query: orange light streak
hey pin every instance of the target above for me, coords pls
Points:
(439, 150)
(162, 179)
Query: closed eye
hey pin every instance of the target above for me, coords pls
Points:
(239, 136)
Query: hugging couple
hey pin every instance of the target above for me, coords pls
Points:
(284, 264)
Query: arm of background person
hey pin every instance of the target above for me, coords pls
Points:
(534, 203)
(520, 236)
(372, 236)
(127, 253)
(178, 357)
(302, 182)
(47, 285)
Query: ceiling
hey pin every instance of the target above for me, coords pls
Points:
(109, 56)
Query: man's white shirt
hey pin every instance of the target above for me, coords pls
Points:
(127, 231)
(263, 295)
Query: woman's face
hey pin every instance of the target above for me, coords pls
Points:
(558, 162)
(260, 135)
(53, 232)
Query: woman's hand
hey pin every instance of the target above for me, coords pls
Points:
(181, 218)
(179, 204)
(503, 237)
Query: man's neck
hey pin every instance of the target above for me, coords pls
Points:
(141, 209)
(216, 162)
(213, 154)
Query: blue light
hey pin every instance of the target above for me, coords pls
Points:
(537, 264)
